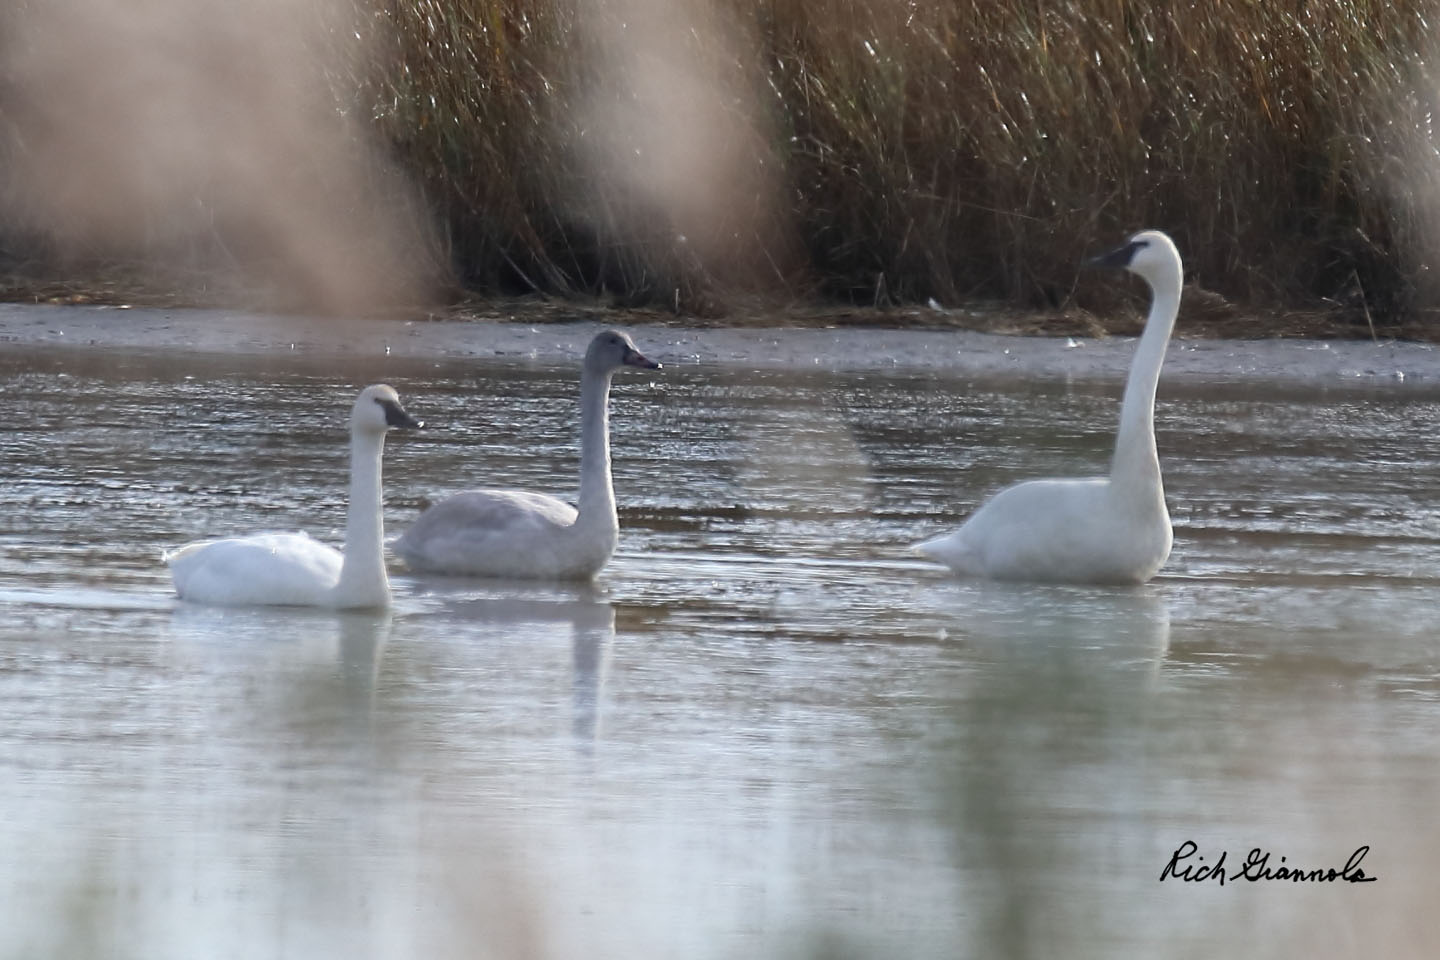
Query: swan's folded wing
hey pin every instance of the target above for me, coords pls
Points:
(1042, 530)
(267, 568)
(469, 531)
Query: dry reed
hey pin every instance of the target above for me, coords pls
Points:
(882, 149)
(678, 152)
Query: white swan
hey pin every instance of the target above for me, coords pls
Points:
(515, 533)
(1112, 529)
(290, 569)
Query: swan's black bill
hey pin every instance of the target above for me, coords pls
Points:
(1118, 258)
(395, 416)
(634, 358)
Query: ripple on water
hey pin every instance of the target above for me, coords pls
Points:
(764, 725)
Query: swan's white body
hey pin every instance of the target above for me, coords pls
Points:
(1113, 529)
(515, 533)
(281, 569)
(291, 569)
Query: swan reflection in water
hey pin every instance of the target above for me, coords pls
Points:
(1079, 627)
(316, 672)
(1047, 717)
(540, 611)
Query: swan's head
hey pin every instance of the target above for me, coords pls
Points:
(377, 409)
(611, 350)
(1149, 253)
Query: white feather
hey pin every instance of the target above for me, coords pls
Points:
(1113, 529)
(291, 569)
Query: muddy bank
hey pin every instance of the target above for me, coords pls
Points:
(849, 347)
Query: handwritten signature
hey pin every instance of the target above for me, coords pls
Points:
(1257, 867)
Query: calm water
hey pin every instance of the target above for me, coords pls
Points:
(765, 732)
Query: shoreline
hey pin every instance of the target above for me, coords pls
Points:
(560, 336)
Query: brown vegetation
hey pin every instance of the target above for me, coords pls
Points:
(694, 154)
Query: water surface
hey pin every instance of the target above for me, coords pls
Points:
(765, 731)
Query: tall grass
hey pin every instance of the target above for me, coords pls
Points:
(683, 152)
(906, 150)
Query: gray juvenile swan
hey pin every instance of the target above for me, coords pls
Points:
(515, 533)
(1113, 529)
(290, 569)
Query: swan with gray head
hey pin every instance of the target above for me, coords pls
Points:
(519, 534)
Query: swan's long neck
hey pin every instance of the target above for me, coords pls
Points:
(597, 494)
(363, 582)
(1136, 466)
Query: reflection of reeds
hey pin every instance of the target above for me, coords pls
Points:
(886, 149)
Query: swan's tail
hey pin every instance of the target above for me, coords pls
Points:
(929, 549)
(947, 550)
